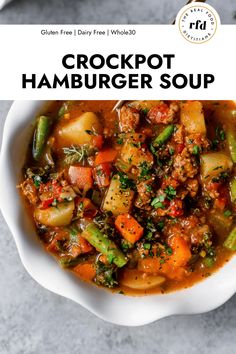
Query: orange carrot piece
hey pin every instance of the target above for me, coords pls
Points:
(85, 271)
(81, 176)
(84, 245)
(129, 227)
(108, 155)
(103, 259)
(149, 265)
(181, 251)
(155, 265)
(98, 141)
(173, 266)
(102, 174)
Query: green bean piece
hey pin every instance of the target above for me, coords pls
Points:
(208, 262)
(68, 262)
(231, 139)
(40, 136)
(164, 135)
(104, 245)
(233, 190)
(230, 242)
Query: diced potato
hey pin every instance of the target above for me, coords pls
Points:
(192, 117)
(143, 105)
(213, 164)
(132, 154)
(77, 131)
(117, 200)
(226, 109)
(134, 279)
(61, 215)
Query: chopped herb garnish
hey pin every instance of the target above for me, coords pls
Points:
(227, 213)
(147, 246)
(169, 251)
(148, 188)
(120, 141)
(145, 170)
(125, 181)
(196, 150)
(149, 236)
(110, 258)
(222, 135)
(170, 192)
(37, 180)
(145, 111)
(157, 202)
(76, 154)
(137, 144)
(161, 225)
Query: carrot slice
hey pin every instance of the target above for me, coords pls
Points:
(154, 265)
(173, 266)
(85, 271)
(108, 155)
(102, 174)
(98, 141)
(81, 177)
(181, 251)
(129, 227)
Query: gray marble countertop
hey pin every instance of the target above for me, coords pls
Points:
(104, 11)
(35, 321)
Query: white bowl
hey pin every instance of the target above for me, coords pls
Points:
(115, 308)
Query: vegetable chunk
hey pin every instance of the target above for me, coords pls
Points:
(40, 136)
(80, 130)
(104, 156)
(118, 200)
(61, 215)
(140, 281)
(129, 228)
(104, 245)
(85, 271)
(81, 177)
(213, 164)
(230, 242)
(192, 117)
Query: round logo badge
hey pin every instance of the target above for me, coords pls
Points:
(197, 22)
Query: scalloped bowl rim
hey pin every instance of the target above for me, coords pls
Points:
(112, 307)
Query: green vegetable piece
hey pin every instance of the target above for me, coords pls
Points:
(227, 213)
(164, 135)
(208, 262)
(68, 262)
(233, 190)
(104, 245)
(196, 150)
(40, 136)
(157, 202)
(230, 241)
(231, 139)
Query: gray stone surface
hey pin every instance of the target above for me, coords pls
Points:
(35, 321)
(103, 11)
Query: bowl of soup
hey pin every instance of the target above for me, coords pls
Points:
(130, 211)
